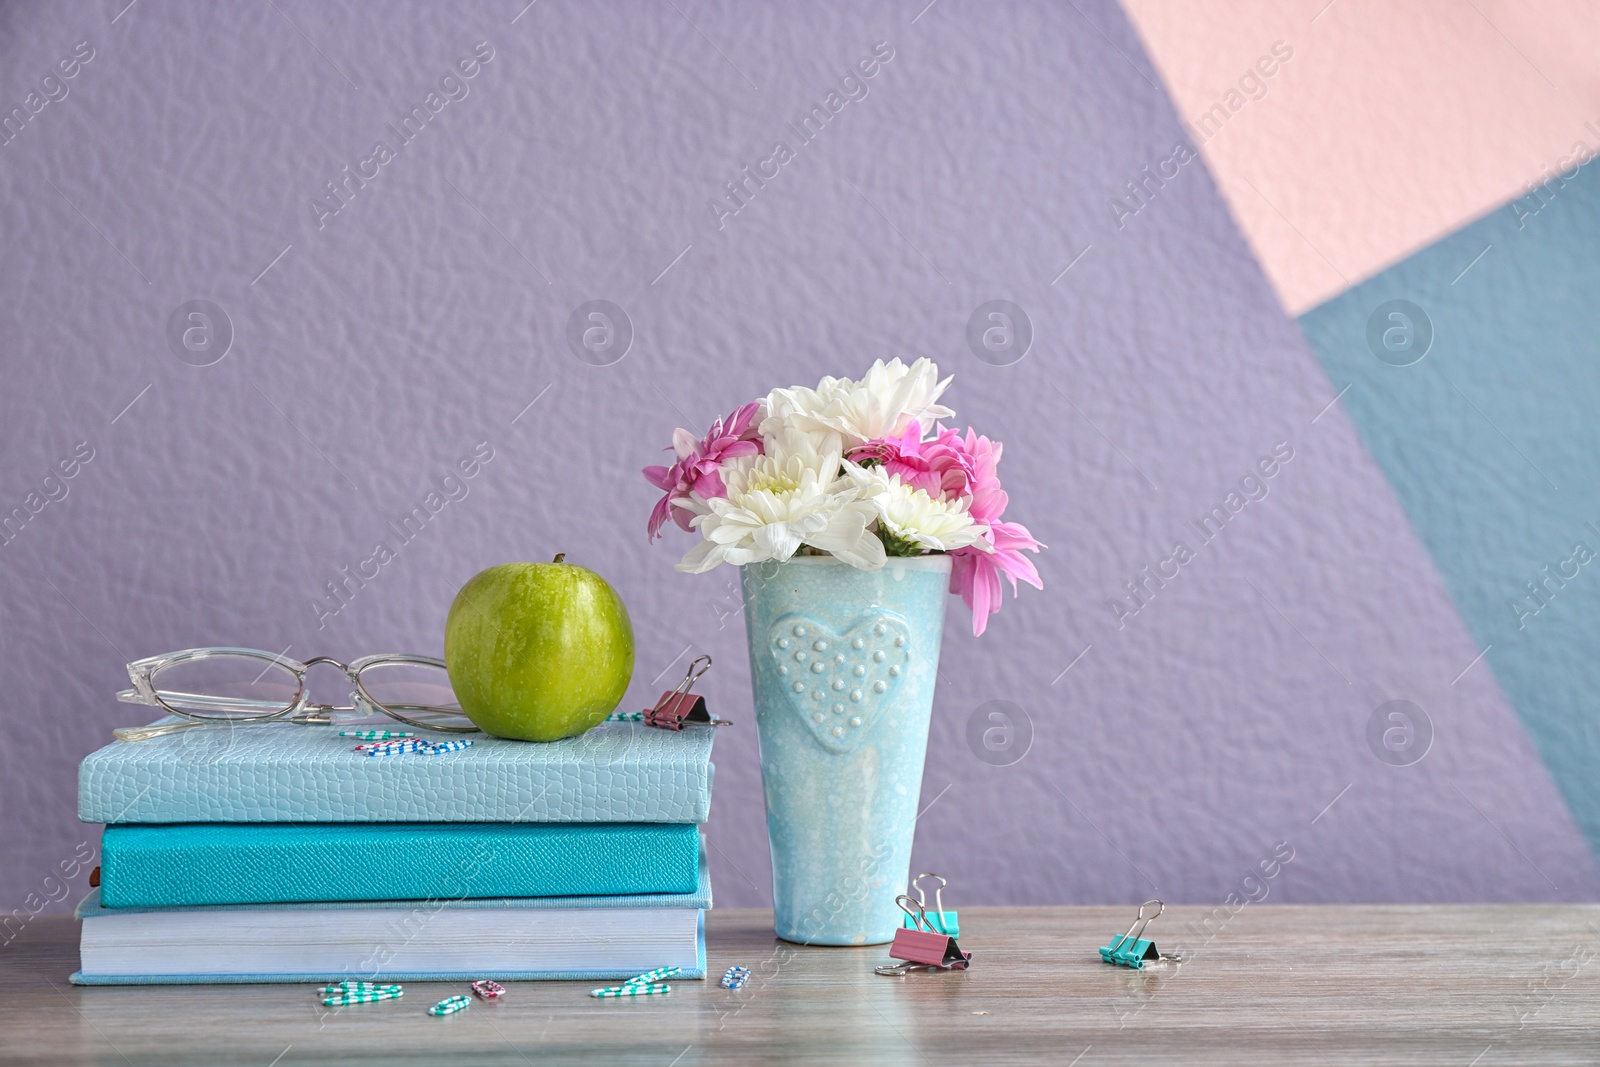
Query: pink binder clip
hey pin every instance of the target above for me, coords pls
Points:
(681, 708)
(922, 948)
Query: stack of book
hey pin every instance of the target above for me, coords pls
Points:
(279, 853)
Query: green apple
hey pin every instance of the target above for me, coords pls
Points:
(538, 651)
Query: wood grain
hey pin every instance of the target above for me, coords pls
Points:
(1483, 985)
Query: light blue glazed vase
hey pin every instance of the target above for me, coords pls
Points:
(843, 664)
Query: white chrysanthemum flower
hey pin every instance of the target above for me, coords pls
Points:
(882, 404)
(793, 449)
(793, 413)
(911, 516)
(778, 502)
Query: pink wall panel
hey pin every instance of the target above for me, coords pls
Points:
(1388, 126)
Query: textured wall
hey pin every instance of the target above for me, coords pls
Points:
(375, 346)
(1391, 125)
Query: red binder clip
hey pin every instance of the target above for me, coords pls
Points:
(681, 708)
(922, 948)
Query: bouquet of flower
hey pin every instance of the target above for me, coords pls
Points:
(860, 470)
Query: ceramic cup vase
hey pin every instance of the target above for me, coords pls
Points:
(843, 664)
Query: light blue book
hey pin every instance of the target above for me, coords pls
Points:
(275, 863)
(588, 938)
(617, 772)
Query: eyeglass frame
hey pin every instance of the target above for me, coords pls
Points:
(301, 709)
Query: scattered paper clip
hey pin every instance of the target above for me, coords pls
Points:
(487, 989)
(418, 745)
(735, 977)
(1133, 949)
(357, 996)
(359, 987)
(640, 985)
(376, 735)
(654, 976)
(438, 747)
(451, 1005)
(644, 989)
(680, 707)
(392, 748)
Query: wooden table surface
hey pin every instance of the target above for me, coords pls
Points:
(1473, 985)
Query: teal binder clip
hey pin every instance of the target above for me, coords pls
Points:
(1133, 949)
(944, 922)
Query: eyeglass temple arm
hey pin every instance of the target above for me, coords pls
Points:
(145, 733)
(201, 702)
(198, 700)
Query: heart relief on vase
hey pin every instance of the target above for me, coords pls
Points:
(838, 683)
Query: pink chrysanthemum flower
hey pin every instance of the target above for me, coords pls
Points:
(698, 468)
(975, 573)
(939, 466)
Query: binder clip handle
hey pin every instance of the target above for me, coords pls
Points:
(919, 918)
(692, 675)
(938, 892)
(946, 922)
(1141, 920)
(900, 970)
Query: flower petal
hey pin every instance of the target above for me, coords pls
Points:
(658, 517)
(776, 540)
(701, 558)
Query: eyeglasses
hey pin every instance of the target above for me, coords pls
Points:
(218, 686)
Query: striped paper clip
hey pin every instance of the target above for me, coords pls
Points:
(641, 990)
(735, 977)
(418, 745)
(354, 996)
(437, 747)
(360, 987)
(656, 975)
(487, 989)
(451, 1005)
(392, 748)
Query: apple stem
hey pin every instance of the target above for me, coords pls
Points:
(559, 557)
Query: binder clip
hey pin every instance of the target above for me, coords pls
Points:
(681, 708)
(921, 947)
(1133, 949)
(943, 921)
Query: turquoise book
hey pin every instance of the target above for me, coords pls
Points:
(618, 772)
(272, 863)
(512, 939)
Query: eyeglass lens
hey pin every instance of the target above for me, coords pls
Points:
(415, 692)
(226, 687)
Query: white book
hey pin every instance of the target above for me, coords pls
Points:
(509, 939)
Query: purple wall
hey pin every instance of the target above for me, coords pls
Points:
(374, 347)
